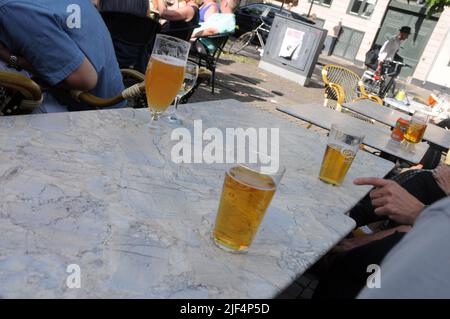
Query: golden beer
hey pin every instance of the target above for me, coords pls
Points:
(335, 164)
(246, 195)
(163, 80)
(415, 132)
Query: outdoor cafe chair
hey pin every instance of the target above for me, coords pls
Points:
(206, 51)
(21, 95)
(18, 94)
(133, 37)
(343, 86)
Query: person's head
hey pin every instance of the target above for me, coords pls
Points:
(404, 32)
(228, 6)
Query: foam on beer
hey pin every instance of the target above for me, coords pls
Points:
(169, 60)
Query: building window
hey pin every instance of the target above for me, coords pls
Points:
(326, 3)
(362, 8)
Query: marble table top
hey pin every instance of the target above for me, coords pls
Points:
(98, 190)
(376, 136)
(389, 116)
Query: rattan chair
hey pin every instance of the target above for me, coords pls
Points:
(18, 94)
(342, 86)
(21, 95)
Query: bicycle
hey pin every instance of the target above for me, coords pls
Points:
(383, 85)
(246, 38)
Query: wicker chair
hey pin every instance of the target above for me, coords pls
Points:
(342, 86)
(18, 94)
(21, 95)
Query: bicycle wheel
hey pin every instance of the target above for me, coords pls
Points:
(390, 92)
(240, 43)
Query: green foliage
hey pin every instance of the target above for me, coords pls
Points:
(436, 6)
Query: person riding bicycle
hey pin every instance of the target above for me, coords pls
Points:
(391, 47)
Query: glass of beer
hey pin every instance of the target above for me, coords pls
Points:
(416, 127)
(165, 73)
(246, 195)
(190, 79)
(342, 146)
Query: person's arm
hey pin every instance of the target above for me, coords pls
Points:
(211, 10)
(350, 243)
(83, 79)
(206, 32)
(183, 14)
(442, 177)
(22, 63)
(382, 55)
(47, 50)
(418, 266)
(390, 199)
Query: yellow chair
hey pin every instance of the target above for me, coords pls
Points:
(18, 94)
(21, 95)
(342, 86)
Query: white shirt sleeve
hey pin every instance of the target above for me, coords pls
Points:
(419, 265)
(388, 50)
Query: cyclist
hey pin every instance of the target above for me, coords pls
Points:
(391, 47)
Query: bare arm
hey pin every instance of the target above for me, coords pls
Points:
(211, 10)
(186, 13)
(206, 32)
(84, 78)
(442, 177)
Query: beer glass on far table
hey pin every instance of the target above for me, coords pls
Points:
(343, 144)
(416, 129)
(165, 74)
(247, 192)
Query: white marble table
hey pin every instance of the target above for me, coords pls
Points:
(389, 116)
(376, 136)
(97, 189)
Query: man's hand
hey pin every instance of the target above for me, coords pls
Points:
(351, 243)
(379, 68)
(392, 200)
(442, 176)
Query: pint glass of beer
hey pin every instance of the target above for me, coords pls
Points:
(416, 128)
(246, 195)
(341, 149)
(165, 73)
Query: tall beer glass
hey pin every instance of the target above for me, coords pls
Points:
(343, 144)
(416, 127)
(165, 73)
(246, 195)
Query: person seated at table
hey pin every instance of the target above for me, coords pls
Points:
(418, 266)
(433, 155)
(208, 8)
(63, 44)
(221, 22)
(218, 23)
(141, 8)
(344, 271)
(181, 22)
